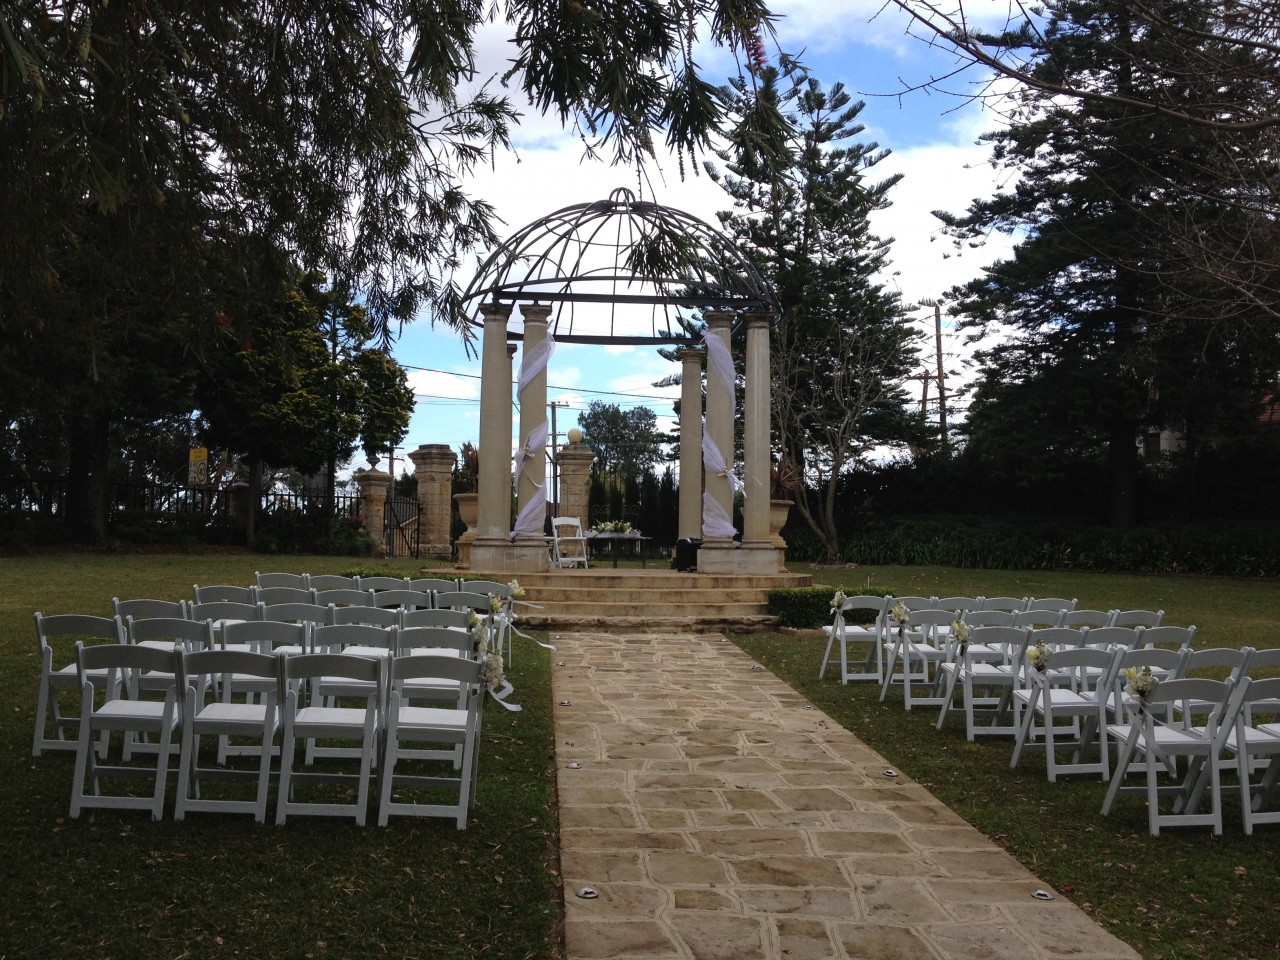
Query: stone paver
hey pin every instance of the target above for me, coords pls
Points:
(718, 815)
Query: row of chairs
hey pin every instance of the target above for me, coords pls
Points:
(199, 626)
(327, 581)
(422, 706)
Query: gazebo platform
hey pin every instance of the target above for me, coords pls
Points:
(647, 600)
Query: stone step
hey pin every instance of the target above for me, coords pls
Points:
(558, 595)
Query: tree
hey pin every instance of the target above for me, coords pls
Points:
(168, 164)
(841, 348)
(1208, 72)
(627, 443)
(1111, 335)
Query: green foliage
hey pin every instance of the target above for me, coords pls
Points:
(800, 606)
(307, 531)
(626, 443)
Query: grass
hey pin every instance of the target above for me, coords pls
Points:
(1184, 894)
(115, 884)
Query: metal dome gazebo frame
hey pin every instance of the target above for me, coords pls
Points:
(624, 271)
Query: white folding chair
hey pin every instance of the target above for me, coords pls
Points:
(568, 543)
(1164, 743)
(382, 583)
(225, 718)
(281, 594)
(160, 633)
(868, 630)
(1256, 747)
(917, 649)
(332, 581)
(454, 619)
(122, 712)
(372, 616)
(299, 580)
(1061, 604)
(986, 673)
(223, 591)
(63, 673)
(342, 597)
(1137, 618)
(454, 732)
(307, 719)
(401, 598)
(145, 609)
(1086, 618)
(1075, 687)
(1010, 604)
(432, 584)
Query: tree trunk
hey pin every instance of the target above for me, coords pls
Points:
(255, 499)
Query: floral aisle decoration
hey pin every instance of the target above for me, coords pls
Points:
(1038, 656)
(837, 602)
(517, 591)
(961, 632)
(1140, 684)
(900, 616)
(611, 526)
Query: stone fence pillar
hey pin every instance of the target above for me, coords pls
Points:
(433, 469)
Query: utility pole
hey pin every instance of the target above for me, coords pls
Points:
(942, 378)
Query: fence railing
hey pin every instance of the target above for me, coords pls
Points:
(48, 497)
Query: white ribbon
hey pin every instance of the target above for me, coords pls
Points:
(501, 695)
(715, 522)
(720, 360)
(535, 360)
(714, 462)
(533, 445)
(533, 517)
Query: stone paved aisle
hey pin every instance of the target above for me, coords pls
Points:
(719, 819)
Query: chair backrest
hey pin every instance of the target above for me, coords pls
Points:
(432, 584)
(1051, 603)
(1012, 641)
(565, 527)
(373, 616)
(1037, 619)
(486, 587)
(1124, 638)
(1263, 662)
(1168, 636)
(331, 581)
(1086, 618)
(1157, 658)
(462, 600)
(342, 597)
(382, 583)
(274, 595)
(1197, 697)
(420, 638)
(959, 603)
(403, 598)
(298, 580)
(1137, 618)
(989, 618)
(73, 626)
(221, 610)
(1083, 668)
(223, 591)
(1054, 637)
(266, 636)
(460, 619)
(188, 634)
(127, 656)
(864, 604)
(914, 602)
(1217, 660)
(201, 666)
(335, 637)
(142, 609)
(304, 666)
(1012, 604)
(423, 665)
(313, 613)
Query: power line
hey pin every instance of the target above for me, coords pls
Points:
(550, 386)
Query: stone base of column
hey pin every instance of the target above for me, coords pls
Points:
(506, 556)
(464, 550)
(725, 556)
(435, 551)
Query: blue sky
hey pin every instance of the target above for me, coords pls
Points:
(863, 45)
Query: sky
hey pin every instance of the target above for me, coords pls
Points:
(932, 139)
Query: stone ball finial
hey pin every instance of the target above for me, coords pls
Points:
(575, 435)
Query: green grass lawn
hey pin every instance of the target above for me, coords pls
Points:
(115, 884)
(1183, 894)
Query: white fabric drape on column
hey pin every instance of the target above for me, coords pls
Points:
(531, 519)
(715, 521)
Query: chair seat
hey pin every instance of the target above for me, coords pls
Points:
(442, 719)
(219, 717)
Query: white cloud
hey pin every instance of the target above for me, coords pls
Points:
(436, 384)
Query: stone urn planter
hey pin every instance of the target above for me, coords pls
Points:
(468, 510)
(779, 510)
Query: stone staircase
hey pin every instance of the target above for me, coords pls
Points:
(648, 600)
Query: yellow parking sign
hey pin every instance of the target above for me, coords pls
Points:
(198, 467)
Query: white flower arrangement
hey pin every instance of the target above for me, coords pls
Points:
(837, 602)
(1038, 656)
(900, 614)
(517, 591)
(492, 672)
(495, 603)
(612, 526)
(482, 641)
(474, 621)
(961, 631)
(1140, 683)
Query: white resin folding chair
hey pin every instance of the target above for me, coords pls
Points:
(1086, 618)
(1163, 663)
(342, 597)
(1256, 747)
(453, 619)
(985, 672)
(332, 581)
(568, 543)
(120, 712)
(225, 718)
(1038, 619)
(274, 595)
(269, 637)
(1075, 687)
(350, 640)
(160, 633)
(432, 584)
(59, 671)
(869, 614)
(300, 612)
(1163, 744)
(502, 613)
(1061, 604)
(1011, 604)
(403, 599)
(917, 651)
(442, 734)
(306, 719)
(1170, 637)
(220, 613)
(382, 583)
(372, 616)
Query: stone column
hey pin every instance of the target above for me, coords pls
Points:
(494, 504)
(433, 469)
(690, 522)
(575, 459)
(373, 499)
(533, 416)
(755, 521)
(720, 414)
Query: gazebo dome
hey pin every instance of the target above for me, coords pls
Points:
(620, 270)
